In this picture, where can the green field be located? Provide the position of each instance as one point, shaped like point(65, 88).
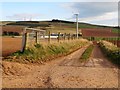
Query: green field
point(115, 30)
point(57, 26)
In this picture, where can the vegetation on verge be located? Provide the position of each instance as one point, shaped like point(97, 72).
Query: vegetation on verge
point(102, 38)
point(85, 56)
point(41, 52)
point(111, 51)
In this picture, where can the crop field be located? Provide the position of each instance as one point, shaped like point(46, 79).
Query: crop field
point(11, 28)
point(10, 45)
point(98, 33)
point(102, 34)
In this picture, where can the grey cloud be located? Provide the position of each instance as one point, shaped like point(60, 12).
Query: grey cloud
point(111, 22)
point(93, 9)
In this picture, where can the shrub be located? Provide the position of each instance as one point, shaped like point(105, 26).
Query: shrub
point(111, 51)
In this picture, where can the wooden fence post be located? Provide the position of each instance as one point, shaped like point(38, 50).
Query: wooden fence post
point(58, 36)
point(69, 36)
point(28, 40)
point(44, 35)
point(49, 37)
point(64, 36)
point(36, 37)
point(116, 41)
point(24, 40)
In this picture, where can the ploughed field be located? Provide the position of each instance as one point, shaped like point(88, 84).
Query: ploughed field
point(9, 28)
point(98, 33)
point(10, 45)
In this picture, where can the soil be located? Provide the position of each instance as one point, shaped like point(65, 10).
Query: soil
point(64, 72)
point(10, 45)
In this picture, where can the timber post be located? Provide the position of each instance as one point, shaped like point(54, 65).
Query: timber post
point(36, 37)
point(58, 36)
point(49, 37)
point(24, 40)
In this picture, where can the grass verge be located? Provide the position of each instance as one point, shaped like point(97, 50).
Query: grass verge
point(85, 56)
point(40, 52)
point(111, 51)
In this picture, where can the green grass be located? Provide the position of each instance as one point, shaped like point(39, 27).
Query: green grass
point(85, 56)
point(115, 30)
point(40, 52)
point(111, 51)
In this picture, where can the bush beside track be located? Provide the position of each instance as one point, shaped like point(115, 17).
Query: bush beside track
point(111, 51)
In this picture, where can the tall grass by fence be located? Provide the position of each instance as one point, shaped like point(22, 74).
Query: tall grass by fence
point(111, 51)
point(40, 52)
point(86, 55)
point(114, 40)
point(29, 39)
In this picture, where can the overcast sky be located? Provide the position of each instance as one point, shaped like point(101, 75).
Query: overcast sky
point(102, 13)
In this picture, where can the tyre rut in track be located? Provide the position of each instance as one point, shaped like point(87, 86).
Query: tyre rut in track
point(68, 72)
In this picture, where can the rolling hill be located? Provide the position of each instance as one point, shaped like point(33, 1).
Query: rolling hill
point(56, 26)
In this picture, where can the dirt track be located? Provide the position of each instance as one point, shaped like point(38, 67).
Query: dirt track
point(65, 72)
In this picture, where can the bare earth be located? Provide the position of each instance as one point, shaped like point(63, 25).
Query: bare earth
point(64, 72)
point(10, 45)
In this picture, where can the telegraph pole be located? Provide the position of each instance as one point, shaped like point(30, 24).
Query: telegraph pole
point(76, 25)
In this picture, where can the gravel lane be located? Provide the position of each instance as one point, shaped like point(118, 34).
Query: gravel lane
point(64, 72)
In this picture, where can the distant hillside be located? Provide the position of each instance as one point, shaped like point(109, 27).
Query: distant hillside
point(54, 21)
point(29, 24)
point(58, 25)
point(5, 22)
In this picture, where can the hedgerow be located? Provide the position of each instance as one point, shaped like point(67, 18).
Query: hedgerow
point(111, 51)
